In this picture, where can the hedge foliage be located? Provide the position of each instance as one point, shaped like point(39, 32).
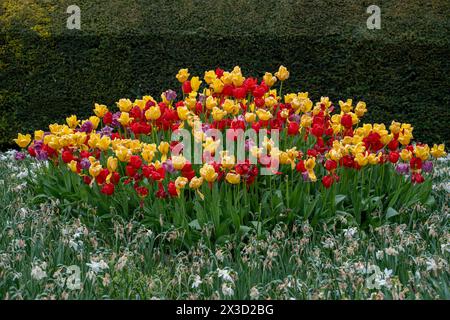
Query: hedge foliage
point(132, 48)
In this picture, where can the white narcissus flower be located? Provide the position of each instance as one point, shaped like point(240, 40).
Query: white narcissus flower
point(227, 290)
point(197, 282)
point(38, 273)
point(97, 266)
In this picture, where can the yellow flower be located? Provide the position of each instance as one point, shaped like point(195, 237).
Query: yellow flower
point(124, 105)
point(124, 119)
point(208, 173)
point(438, 151)
point(362, 159)
point(264, 114)
point(182, 75)
point(164, 149)
point(373, 158)
point(395, 127)
point(406, 155)
point(182, 113)
point(210, 76)
point(103, 143)
point(269, 79)
point(23, 140)
point(218, 114)
point(178, 162)
point(422, 152)
point(233, 178)
point(309, 166)
point(112, 164)
point(250, 117)
point(211, 103)
point(270, 102)
point(196, 182)
point(100, 110)
point(306, 121)
point(181, 182)
point(95, 121)
point(72, 166)
point(195, 83)
point(346, 106)
point(153, 113)
point(217, 85)
point(38, 135)
point(72, 121)
point(94, 169)
point(227, 161)
point(360, 109)
point(123, 153)
point(210, 145)
point(282, 73)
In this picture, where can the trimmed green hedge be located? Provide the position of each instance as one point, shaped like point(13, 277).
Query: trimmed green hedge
point(46, 78)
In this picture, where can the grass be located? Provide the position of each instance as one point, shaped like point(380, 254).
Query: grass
point(42, 242)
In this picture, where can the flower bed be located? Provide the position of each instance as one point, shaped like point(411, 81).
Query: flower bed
point(250, 156)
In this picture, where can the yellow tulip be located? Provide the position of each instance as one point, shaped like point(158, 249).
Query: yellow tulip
point(210, 103)
point(23, 140)
point(178, 162)
point(195, 83)
point(124, 119)
point(182, 113)
point(182, 75)
point(100, 110)
point(362, 159)
point(346, 106)
point(196, 182)
point(269, 79)
point(360, 109)
point(233, 178)
point(218, 114)
point(123, 154)
point(210, 76)
point(124, 105)
point(153, 113)
point(422, 152)
point(406, 155)
point(112, 164)
point(103, 143)
point(94, 170)
point(264, 114)
point(72, 121)
point(95, 121)
point(72, 166)
point(250, 117)
point(282, 73)
point(217, 85)
point(38, 135)
point(208, 173)
point(438, 151)
point(181, 182)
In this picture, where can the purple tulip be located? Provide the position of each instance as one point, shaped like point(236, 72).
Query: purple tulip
point(427, 166)
point(85, 163)
point(106, 131)
point(168, 166)
point(402, 168)
point(170, 95)
point(87, 127)
point(41, 155)
point(19, 156)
